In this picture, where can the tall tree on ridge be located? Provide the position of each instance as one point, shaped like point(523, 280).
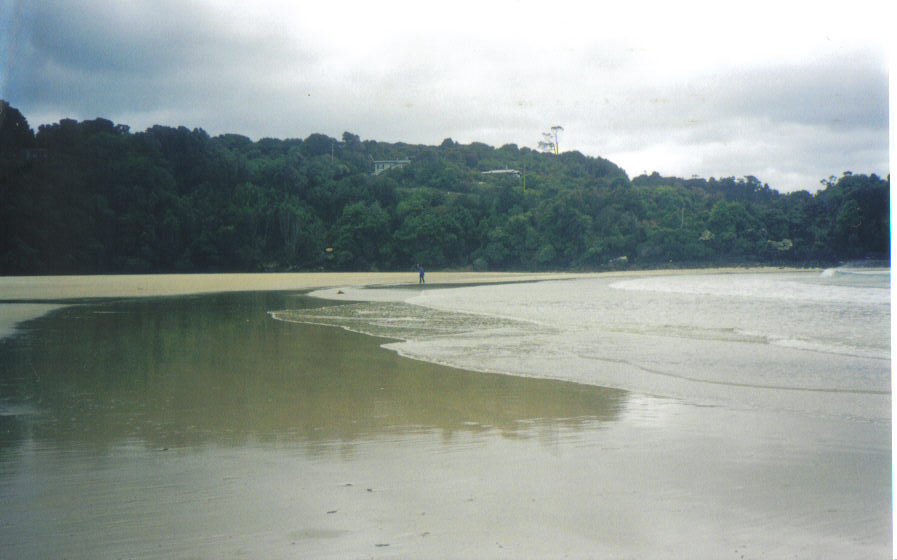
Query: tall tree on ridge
point(549, 142)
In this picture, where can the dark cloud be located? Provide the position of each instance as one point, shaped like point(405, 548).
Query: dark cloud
point(103, 39)
point(99, 58)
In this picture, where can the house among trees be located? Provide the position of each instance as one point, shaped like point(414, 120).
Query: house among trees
point(504, 171)
point(386, 164)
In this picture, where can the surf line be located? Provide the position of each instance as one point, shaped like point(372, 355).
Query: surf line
point(733, 384)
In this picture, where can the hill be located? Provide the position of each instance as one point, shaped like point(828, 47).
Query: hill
point(94, 197)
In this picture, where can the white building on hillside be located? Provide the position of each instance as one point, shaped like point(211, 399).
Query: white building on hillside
point(387, 164)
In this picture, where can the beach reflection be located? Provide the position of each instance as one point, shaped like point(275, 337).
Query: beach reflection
point(176, 372)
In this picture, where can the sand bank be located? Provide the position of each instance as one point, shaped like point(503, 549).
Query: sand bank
point(30, 288)
point(19, 294)
point(15, 291)
point(54, 288)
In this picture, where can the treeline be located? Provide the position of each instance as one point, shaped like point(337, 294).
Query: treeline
point(92, 197)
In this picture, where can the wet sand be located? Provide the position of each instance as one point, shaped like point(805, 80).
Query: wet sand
point(19, 288)
point(199, 427)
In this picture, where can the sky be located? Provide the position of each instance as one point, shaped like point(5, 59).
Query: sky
point(788, 92)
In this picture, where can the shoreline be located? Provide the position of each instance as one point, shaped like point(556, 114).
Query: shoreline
point(24, 298)
point(61, 288)
point(47, 293)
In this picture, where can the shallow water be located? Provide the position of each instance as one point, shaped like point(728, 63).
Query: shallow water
point(201, 427)
point(801, 341)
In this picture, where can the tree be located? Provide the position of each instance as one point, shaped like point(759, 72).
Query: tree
point(735, 231)
point(361, 234)
point(90, 196)
point(549, 142)
point(15, 134)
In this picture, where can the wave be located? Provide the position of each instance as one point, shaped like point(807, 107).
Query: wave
point(831, 272)
point(827, 347)
point(738, 335)
point(869, 287)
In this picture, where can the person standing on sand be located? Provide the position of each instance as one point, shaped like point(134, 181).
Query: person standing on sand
point(420, 270)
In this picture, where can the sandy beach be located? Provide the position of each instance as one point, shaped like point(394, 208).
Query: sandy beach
point(19, 290)
point(29, 288)
point(59, 289)
point(201, 418)
point(78, 287)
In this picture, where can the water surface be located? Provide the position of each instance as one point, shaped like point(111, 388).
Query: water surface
point(203, 427)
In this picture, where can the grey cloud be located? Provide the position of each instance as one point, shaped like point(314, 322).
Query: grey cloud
point(90, 37)
point(848, 93)
point(91, 58)
point(185, 63)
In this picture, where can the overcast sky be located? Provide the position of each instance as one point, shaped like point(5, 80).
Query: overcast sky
point(790, 92)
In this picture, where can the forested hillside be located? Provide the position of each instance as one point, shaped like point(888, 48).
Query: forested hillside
point(92, 196)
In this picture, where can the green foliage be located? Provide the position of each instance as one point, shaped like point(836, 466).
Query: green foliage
point(362, 235)
point(92, 196)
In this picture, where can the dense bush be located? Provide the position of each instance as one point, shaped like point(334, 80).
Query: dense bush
point(92, 196)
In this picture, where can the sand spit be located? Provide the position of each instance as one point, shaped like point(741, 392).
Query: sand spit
point(56, 288)
point(15, 291)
